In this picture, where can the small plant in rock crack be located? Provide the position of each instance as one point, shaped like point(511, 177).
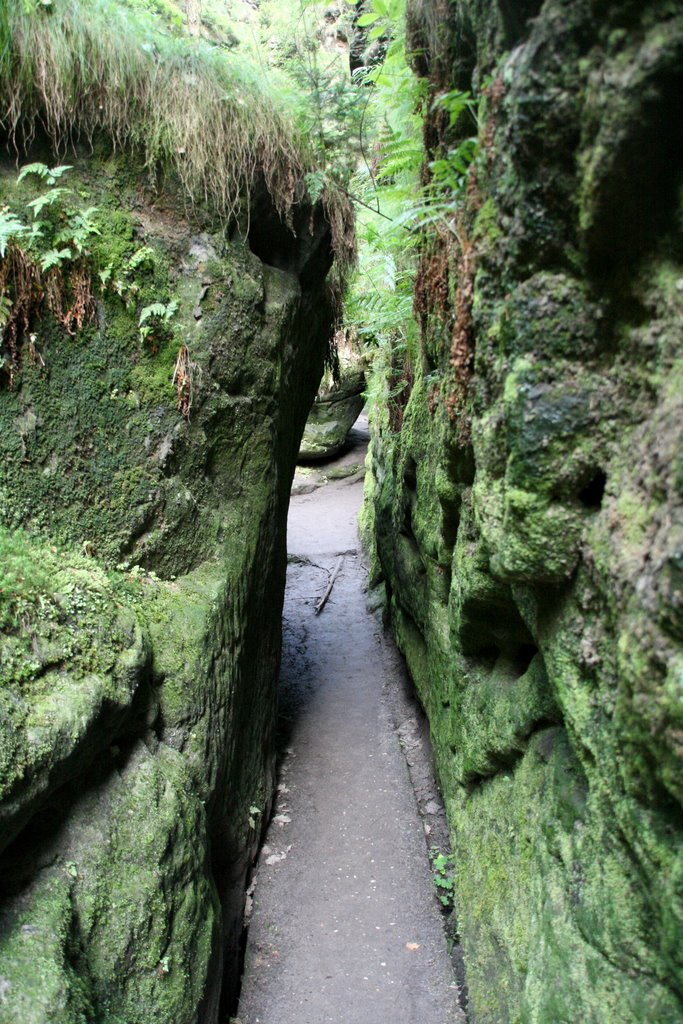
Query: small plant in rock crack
point(443, 876)
point(155, 323)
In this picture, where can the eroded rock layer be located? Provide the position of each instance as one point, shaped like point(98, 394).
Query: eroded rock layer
point(527, 503)
point(143, 497)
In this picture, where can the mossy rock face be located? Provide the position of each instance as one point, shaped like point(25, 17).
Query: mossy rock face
point(332, 415)
point(143, 564)
point(529, 527)
point(113, 467)
point(126, 925)
point(75, 665)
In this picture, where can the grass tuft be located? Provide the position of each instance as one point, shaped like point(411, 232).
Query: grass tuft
point(83, 67)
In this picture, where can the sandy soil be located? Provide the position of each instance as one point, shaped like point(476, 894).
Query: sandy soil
point(345, 926)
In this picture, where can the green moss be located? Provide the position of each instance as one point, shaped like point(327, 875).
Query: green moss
point(149, 946)
point(184, 610)
point(113, 465)
point(137, 712)
point(56, 606)
point(635, 517)
point(152, 377)
point(38, 979)
point(546, 655)
point(73, 659)
point(486, 227)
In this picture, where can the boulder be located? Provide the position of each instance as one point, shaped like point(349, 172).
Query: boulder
point(332, 415)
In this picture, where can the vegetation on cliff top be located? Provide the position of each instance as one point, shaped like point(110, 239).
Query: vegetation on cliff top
point(410, 224)
point(80, 68)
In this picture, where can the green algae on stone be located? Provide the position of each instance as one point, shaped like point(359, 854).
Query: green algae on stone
point(37, 978)
point(98, 935)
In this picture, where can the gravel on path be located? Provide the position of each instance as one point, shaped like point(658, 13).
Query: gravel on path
point(344, 926)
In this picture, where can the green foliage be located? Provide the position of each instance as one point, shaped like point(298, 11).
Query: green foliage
point(66, 231)
point(96, 67)
point(155, 322)
point(10, 228)
point(44, 264)
point(158, 311)
point(384, 16)
point(46, 268)
point(401, 208)
point(327, 104)
point(315, 183)
point(54, 258)
point(455, 103)
point(50, 175)
point(449, 172)
point(80, 227)
point(443, 876)
point(125, 276)
point(380, 296)
point(47, 199)
point(220, 122)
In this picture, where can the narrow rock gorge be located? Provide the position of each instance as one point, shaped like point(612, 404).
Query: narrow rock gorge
point(175, 254)
point(526, 502)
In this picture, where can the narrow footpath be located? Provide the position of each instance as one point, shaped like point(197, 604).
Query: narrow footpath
point(344, 926)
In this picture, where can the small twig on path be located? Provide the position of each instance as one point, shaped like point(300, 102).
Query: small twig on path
point(323, 600)
point(302, 560)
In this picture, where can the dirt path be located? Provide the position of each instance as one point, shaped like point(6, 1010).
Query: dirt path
point(345, 926)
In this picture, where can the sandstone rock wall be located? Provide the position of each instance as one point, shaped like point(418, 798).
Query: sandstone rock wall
point(528, 514)
point(143, 562)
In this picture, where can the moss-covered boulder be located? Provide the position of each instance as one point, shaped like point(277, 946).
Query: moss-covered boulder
point(332, 415)
point(527, 514)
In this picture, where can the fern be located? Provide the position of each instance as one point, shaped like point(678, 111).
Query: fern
point(315, 182)
point(141, 257)
point(155, 322)
point(159, 310)
point(46, 200)
point(5, 310)
point(48, 174)
point(36, 232)
point(455, 103)
point(399, 155)
point(79, 228)
point(54, 258)
point(10, 227)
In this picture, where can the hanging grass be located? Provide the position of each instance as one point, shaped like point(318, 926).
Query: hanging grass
point(79, 68)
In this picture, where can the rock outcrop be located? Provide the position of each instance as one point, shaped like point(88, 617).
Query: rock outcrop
point(147, 459)
point(332, 415)
point(527, 502)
